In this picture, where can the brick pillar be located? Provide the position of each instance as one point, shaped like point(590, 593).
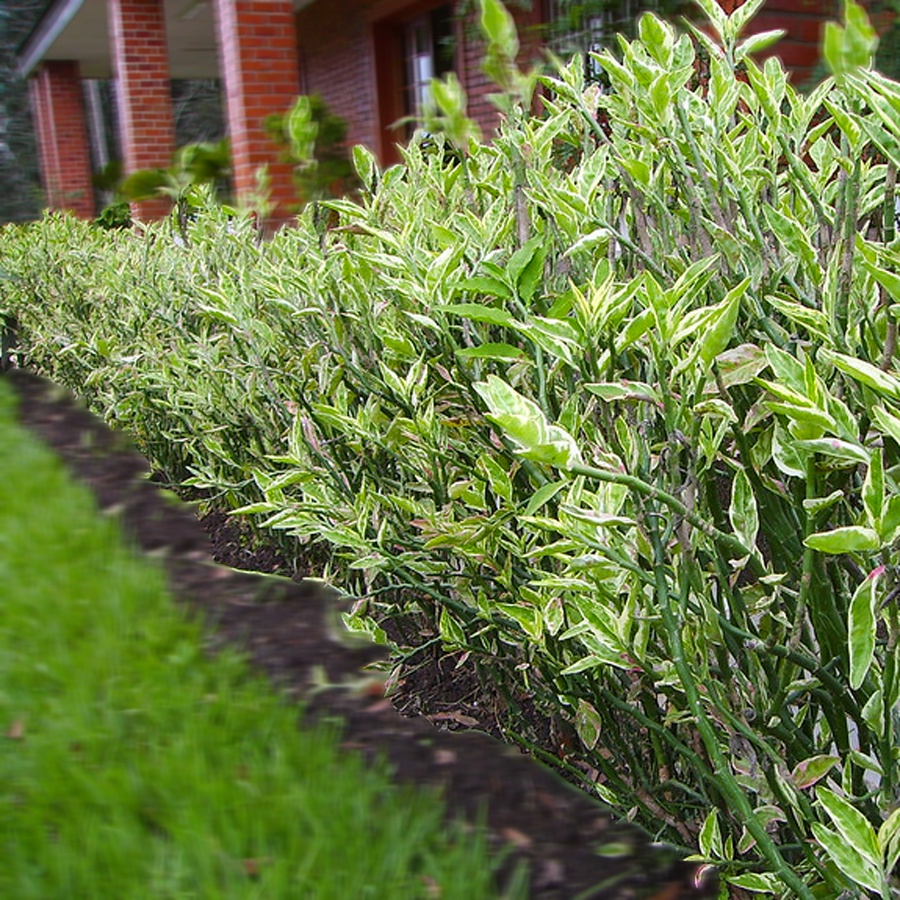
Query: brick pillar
point(260, 67)
point(65, 156)
point(141, 66)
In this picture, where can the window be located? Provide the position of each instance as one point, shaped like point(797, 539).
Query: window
point(413, 42)
point(428, 45)
point(589, 27)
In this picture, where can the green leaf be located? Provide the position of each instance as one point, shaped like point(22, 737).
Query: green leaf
point(483, 284)
point(743, 513)
point(847, 858)
point(498, 27)
point(144, 184)
point(714, 14)
point(862, 627)
point(527, 616)
point(889, 422)
point(838, 449)
point(806, 421)
point(864, 372)
point(890, 522)
point(860, 40)
point(873, 490)
point(742, 14)
point(889, 840)
point(501, 351)
point(850, 539)
point(452, 632)
point(526, 267)
point(757, 883)
point(720, 328)
point(756, 43)
point(740, 365)
point(660, 94)
point(813, 320)
point(366, 166)
point(805, 774)
point(848, 123)
point(554, 615)
point(588, 724)
point(556, 336)
point(542, 496)
point(710, 838)
point(853, 826)
point(476, 312)
point(497, 477)
point(785, 454)
point(789, 371)
point(888, 279)
point(624, 390)
point(302, 129)
point(816, 505)
point(762, 89)
point(525, 424)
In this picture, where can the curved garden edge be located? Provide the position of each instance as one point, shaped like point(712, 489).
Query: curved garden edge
point(573, 848)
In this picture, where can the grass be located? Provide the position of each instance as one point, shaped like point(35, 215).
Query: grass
point(133, 764)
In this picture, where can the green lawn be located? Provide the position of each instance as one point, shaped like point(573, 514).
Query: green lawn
point(134, 765)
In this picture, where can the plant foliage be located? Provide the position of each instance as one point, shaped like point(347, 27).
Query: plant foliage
point(626, 432)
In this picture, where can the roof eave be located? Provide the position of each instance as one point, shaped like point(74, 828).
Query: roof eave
point(48, 28)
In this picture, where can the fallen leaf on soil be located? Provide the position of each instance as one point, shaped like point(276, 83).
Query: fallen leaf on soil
point(553, 874)
point(519, 838)
point(16, 730)
point(374, 688)
point(454, 717)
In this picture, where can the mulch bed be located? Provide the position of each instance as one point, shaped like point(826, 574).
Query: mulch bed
point(573, 848)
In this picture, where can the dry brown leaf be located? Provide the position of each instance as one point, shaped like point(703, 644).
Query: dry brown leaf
point(445, 757)
point(516, 837)
point(459, 717)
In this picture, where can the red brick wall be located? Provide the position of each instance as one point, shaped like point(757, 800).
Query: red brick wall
point(337, 60)
point(338, 41)
point(259, 65)
point(63, 147)
point(478, 86)
point(804, 21)
point(141, 66)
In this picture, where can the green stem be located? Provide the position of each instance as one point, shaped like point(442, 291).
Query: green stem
point(835, 687)
point(890, 678)
point(711, 198)
point(725, 781)
point(727, 541)
point(848, 239)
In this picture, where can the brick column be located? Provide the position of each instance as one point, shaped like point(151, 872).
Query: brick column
point(260, 67)
point(63, 148)
point(141, 66)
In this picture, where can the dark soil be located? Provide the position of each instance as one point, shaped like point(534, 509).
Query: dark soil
point(288, 627)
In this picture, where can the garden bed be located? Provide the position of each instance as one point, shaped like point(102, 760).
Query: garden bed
point(572, 847)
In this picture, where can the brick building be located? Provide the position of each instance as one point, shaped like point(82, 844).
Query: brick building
point(369, 60)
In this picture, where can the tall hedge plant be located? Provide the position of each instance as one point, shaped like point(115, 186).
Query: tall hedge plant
point(608, 405)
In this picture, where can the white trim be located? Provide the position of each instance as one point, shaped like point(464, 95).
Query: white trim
point(48, 29)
